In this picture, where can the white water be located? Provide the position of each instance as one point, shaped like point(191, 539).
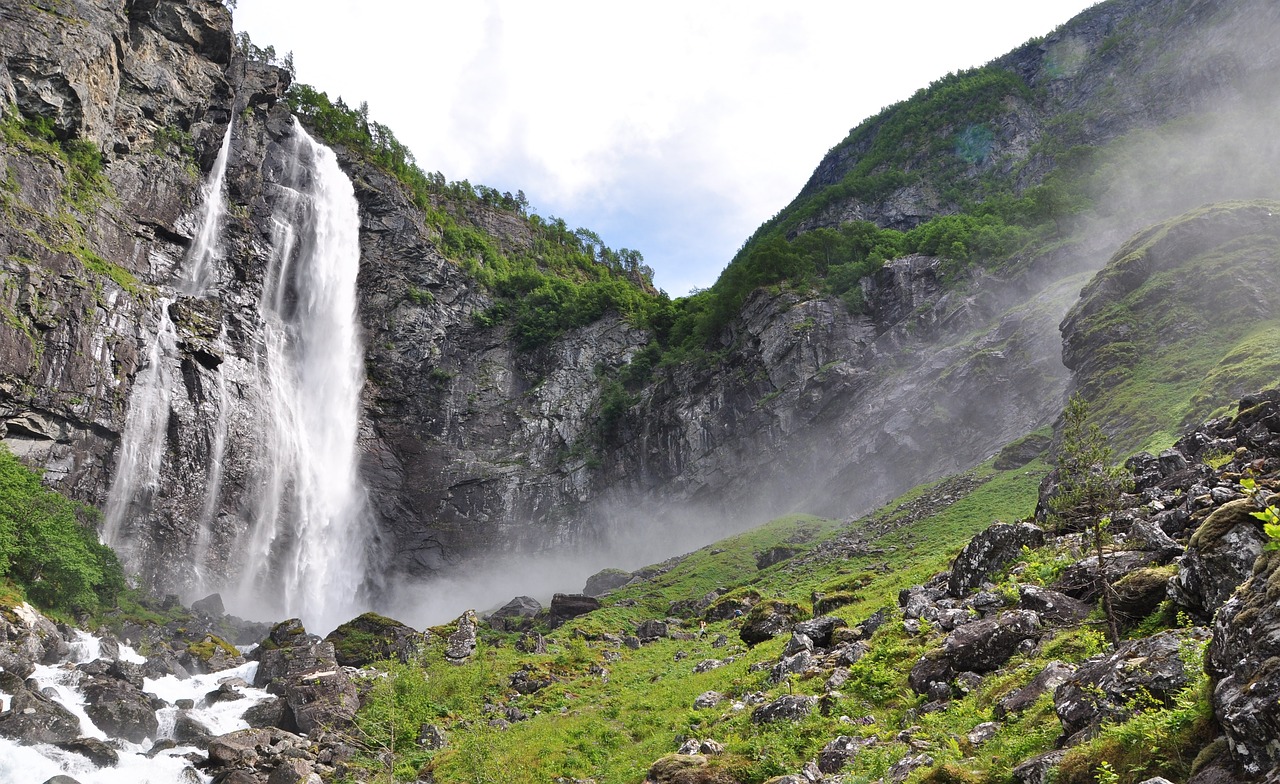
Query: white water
point(40, 762)
point(309, 532)
point(294, 528)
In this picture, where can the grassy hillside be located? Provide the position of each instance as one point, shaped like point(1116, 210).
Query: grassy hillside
point(612, 711)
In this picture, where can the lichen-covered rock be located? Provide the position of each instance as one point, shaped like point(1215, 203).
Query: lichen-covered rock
point(1053, 607)
point(984, 645)
point(789, 707)
point(768, 619)
point(1218, 559)
point(1139, 593)
point(1105, 687)
point(1244, 662)
point(988, 552)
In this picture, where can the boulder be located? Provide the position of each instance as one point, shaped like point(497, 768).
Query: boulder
point(1038, 770)
point(98, 752)
point(768, 619)
point(1140, 592)
point(840, 753)
point(566, 606)
point(789, 707)
point(304, 670)
point(708, 699)
point(1105, 687)
point(984, 645)
point(120, 709)
point(606, 580)
point(776, 555)
point(988, 552)
point(1080, 579)
point(819, 630)
point(516, 615)
point(462, 642)
point(1219, 557)
point(33, 718)
point(1244, 662)
point(1054, 674)
point(651, 630)
point(210, 605)
point(1053, 607)
point(372, 637)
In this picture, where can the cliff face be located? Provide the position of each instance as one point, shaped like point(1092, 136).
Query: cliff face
point(469, 447)
point(78, 253)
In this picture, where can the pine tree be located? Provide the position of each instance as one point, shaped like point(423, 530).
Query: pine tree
point(1089, 489)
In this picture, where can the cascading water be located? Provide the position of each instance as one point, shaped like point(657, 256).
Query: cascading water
point(309, 533)
point(284, 531)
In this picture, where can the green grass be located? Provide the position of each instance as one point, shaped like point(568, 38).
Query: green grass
point(612, 730)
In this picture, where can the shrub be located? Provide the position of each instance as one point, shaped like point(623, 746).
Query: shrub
point(49, 545)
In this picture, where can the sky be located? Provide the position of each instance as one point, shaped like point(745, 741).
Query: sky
point(671, 128)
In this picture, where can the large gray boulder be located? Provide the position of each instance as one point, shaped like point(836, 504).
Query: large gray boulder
point(984, 645)
point(1218, 559)
point(789, 707)
point(120, 709)
point(988, 552)
point(1244, 662)
point(1105, 687)
point(33, 718)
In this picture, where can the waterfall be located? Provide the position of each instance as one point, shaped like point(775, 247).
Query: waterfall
point(282, 529)
point(308, 534)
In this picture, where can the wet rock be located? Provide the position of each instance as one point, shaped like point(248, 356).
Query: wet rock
point(269, 713)
point(1105, 687)
point(120, 709)
point(1244, 661)
point(372, 637)
point(988, 552)
point(293, 771)
point(190, 731)
point(99, 753)
point(1219, 557)
point(768, 619)
point(516, 615)
point(789, 707)
point(239, 748)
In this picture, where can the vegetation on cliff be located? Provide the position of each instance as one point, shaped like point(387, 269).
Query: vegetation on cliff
point(559, 279)
point(49, 548)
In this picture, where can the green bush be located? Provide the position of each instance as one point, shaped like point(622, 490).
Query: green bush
point(49, 546)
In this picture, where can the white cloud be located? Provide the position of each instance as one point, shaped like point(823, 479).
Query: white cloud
point(673, 128)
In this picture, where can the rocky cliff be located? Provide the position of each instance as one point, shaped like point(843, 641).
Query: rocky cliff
point(470, 447)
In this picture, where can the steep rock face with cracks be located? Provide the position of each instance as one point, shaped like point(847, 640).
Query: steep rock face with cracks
point(470, 447)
